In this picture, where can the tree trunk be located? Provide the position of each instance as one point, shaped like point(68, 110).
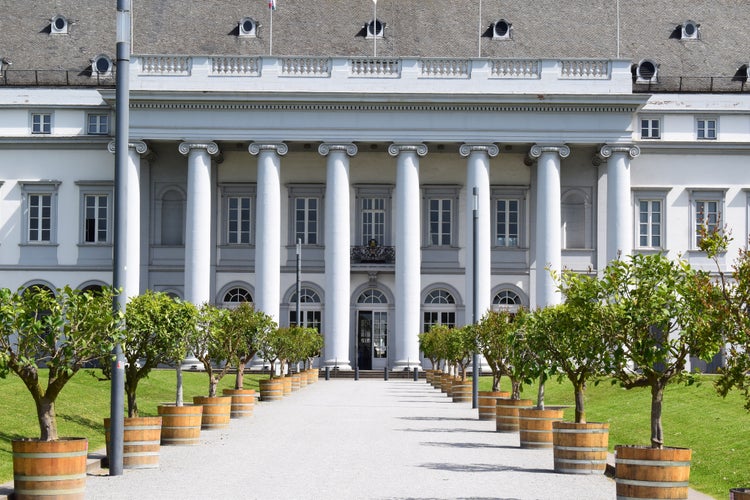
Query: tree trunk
point(130, 391)
point(213, 381)
point(515, 389)
point(540, 394)
point(178, 396)
point(239, 379)
point(45, 412)
point(657, 396)
point(580, 408)
point(496, 381)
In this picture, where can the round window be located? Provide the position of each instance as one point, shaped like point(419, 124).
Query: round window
point(375, 27)
point(247, 26)
point(59, 23)
point(102, 64)
point(689, 29)
point(646, 70)
point(501, 28)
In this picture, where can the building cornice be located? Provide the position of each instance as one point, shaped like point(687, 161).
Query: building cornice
point(56, 142)
point(712, 147)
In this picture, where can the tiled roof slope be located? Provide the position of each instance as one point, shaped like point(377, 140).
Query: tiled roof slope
point(435, 28)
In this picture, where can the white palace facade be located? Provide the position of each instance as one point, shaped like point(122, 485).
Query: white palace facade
point(567, 134)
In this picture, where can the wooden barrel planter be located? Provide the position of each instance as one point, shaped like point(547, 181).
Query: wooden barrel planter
point(180, 425)
point(243, 402)
point(506, 413)
point(303, 380)
point(141, 442)
point(535, 426)
point(461, 391)
point(428, 376)
point(49, 469)
point(645, 472)
point(315, 374)
point(580, 448)
point(286, 386)
point(437, 379)
point(446, 380)
point(295, 382)
point(271, 389)
point(216, 411)
point(487, 401)
point(739, 494)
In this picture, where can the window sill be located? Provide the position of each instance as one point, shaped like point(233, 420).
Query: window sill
point(39, 244)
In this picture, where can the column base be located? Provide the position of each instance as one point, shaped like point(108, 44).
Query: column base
point(406, 365)
point(337, 364)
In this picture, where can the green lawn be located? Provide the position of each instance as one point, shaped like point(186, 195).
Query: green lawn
point(717, 430)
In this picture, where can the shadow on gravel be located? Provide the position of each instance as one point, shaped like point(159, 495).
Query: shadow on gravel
point(439, 418)
point(417, 401)
point(457, 498)
point(482, 468)
point(468, 445)
point(443, 430)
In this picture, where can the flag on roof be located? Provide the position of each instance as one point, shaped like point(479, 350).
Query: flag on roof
point(272, 4)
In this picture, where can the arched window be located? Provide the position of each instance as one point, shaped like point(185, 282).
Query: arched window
point(506, 300)
point(439, 309)
point(234, 296)
point(310, 309)
point(172, 218)
point(372, 296)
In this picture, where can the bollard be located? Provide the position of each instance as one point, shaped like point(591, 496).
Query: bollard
point(356, 373)
point(416, 374)
point(385, 373)
point(328, 373)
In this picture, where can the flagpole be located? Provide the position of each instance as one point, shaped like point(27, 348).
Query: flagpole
point(270, 42)
point(375, 28)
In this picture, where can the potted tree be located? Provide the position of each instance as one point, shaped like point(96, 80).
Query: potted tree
point(460, 348)
point(271, 350)
point(729, 302)
point(181, 424)
point(214, 346)
point(313, 347)
point(57, 333)
point(150, 331)
point(491, 336)
point(533, 363)
point(429, 343)
point(251, 327)
point(660, 318)
point(503, 328)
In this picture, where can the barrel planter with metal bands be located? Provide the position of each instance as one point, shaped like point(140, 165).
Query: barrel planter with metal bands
point(645, 472)
point(580, 448)
point(50, 469)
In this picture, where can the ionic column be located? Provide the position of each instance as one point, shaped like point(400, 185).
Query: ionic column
point(268, 227)
point(198, 220)
point(619, 211)
point(408, 258)
point(337, 254)
point(478, 176)
point(128, 232)
point(548, 221)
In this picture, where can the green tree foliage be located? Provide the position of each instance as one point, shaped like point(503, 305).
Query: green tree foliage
point(495, 334)
point(730, 305)
point(214, 344)
point(57, 333)
point(155, 333)
point(459, 345)
point(658, 317)
point(250, 327)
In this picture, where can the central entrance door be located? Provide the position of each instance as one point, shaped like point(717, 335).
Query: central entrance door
point(372, 339)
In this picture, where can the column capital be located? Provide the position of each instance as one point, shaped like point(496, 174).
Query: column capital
point(350, 148)
point(537, 149)
point(606, 151)
point(397, 148)
point(490, 149)
point(278, 147)
point(140, 147)
point(211, 147)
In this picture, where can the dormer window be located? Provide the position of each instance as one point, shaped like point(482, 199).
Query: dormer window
point(646, 71)
point(501, 30)
point(59, 25)
point(101, 65)
point(248, 27)
point(690, 30)
point(375, 29)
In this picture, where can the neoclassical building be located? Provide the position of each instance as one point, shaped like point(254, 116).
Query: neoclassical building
point(424, 161)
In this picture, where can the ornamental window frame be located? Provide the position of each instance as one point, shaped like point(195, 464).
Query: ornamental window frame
point(373, 192)
point(707, 128)
point(99, 189)
point(509, 194)
point(705, 201)
point(435, 234)
point(97, 123)
point(41, 122)
point(651, 125)
point(29, 191)
point(240, 191)
point(645, 229)
point(306, 192)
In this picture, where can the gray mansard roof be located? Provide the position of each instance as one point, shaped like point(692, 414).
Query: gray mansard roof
point(648, 29)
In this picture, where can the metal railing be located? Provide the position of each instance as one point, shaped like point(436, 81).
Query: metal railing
point(55, 78)
point(373, 254)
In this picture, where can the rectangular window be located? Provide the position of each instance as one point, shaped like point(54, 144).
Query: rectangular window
point(238, 220)
point(373, 220)
point(440, 227)
point(98, 124)
point(707, 216)
point(650, 128)
point(649, 223)
point(39, 218)
point(706, 128)
point(306, 216)
point(310, 319)
point(507, 222)
point(96, 218)
point(41, 123)
point(447, 318)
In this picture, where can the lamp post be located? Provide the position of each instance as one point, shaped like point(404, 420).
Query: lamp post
point(299, 271)
point(122, 117)
point(375, 28)
point(475, 275)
